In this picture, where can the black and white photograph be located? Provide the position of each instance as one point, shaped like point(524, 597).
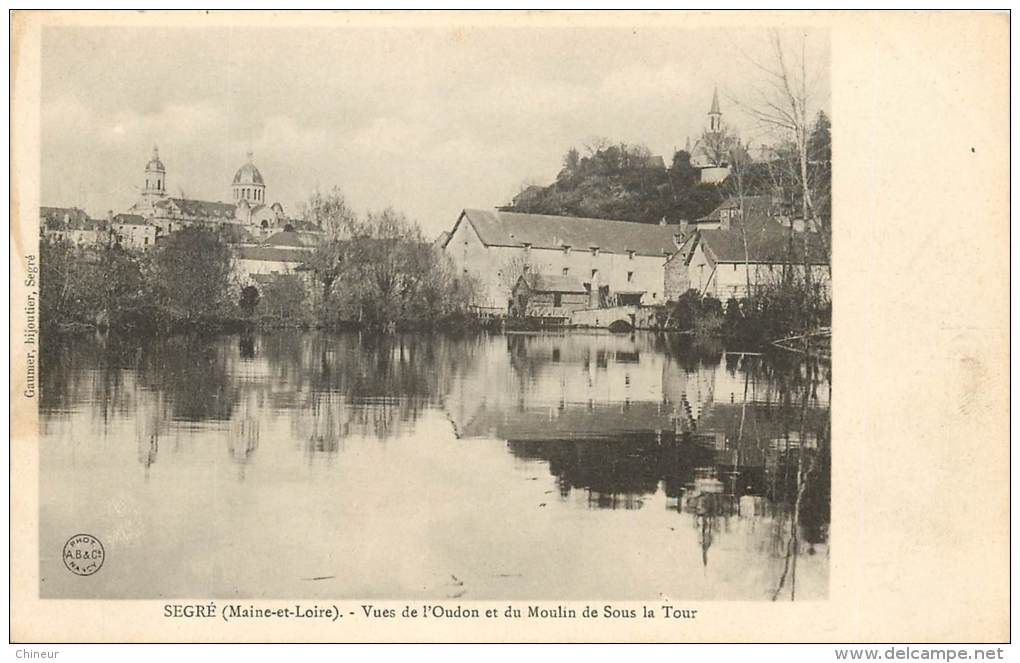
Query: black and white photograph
point(408, 316)
point(423, 315)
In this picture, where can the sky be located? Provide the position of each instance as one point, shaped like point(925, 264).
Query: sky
point(426, 120)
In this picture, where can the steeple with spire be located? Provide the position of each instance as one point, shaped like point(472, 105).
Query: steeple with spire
point(714, 114)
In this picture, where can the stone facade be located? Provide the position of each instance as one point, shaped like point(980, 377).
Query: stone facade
point(610, 274)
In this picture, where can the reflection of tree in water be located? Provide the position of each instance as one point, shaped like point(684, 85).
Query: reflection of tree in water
point(148, 450)
point(763, 455)
point(792, 442)
point(88, 367)
point(191, 371)
point(245, 430)
point(361, 384)
point(617, 471)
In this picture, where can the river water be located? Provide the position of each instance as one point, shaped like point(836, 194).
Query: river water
point(519, 466)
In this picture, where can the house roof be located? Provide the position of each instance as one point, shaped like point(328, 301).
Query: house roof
point(199, 208)
point(76, 219)
point(129, 219)
point(236, 234)
point(754, 207)
point(300, 225)
point(656, 162)
point(291, 238)
point(264, 279)
point(272, 254)
point(767, 242)
point(498, 228)
point(553, 283)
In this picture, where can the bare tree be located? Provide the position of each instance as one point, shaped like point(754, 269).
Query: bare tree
point(332, 213)
point(597, 144)
point(739, 162)
point(510, 271)
point(716, 146)
point(784, 103)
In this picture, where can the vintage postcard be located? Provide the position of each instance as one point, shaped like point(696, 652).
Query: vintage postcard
point(509, 327)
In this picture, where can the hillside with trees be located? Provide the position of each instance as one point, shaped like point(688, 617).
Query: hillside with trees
point(621, 181)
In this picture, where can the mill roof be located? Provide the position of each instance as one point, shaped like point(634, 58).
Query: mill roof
point(498, 228)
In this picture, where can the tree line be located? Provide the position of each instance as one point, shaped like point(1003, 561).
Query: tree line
point(375, 270)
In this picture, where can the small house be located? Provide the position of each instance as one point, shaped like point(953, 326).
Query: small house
point(724, 261)
point(546, 296)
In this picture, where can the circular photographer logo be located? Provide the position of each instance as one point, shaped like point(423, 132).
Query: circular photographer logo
point(83, 554)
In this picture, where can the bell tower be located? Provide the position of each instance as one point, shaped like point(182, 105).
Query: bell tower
point(714, 114)
point(155, 178)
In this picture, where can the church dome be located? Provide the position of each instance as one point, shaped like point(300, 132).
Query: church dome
point(248, 174)
point(154, 162)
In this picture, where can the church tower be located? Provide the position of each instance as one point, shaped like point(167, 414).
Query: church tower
point(714, 114)
point(155, 178)
point(248, 185)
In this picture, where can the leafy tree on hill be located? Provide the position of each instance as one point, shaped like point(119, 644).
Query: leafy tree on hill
point(621, 181)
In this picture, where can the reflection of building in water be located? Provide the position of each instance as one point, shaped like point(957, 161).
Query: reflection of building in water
point(620, 419)
point(245, 427)
point(548, 373)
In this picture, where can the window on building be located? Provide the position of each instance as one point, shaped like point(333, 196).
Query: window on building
point(734, 267)
point(594, 274)
point(566, 271)
point(146, 242)
point(557, 299)
point(566, 250)
point(630, 277)
point(630, 255)
point(595, 251)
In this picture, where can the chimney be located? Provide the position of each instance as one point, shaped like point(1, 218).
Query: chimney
point(724, 218)
point(662, 221)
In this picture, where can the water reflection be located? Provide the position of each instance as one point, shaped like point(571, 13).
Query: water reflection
point(727, 454)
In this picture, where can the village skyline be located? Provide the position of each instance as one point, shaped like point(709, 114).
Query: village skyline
point(442, 124)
